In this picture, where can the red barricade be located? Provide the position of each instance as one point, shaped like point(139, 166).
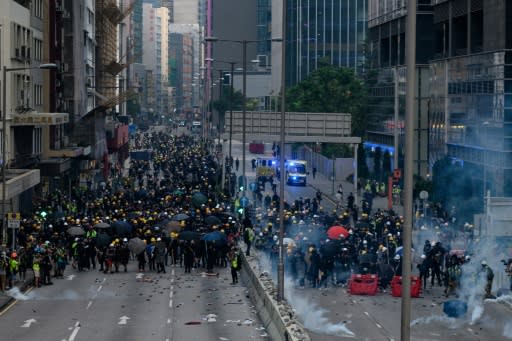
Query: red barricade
point(363, 284)
point(256, 148)
point(396, 286)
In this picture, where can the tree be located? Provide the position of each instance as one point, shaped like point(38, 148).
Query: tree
point(331, 89)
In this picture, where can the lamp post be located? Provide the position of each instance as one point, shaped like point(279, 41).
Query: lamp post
point(280, 264)
point(47, 66)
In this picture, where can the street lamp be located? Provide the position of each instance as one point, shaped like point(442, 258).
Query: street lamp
point(244, 98)
point(46, 66)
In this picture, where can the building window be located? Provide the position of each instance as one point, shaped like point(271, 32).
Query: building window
point(37, 141)
point(38, 95)
point(38, 49)
point(37, 8)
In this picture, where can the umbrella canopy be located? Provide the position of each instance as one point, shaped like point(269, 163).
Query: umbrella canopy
point(178, 192)
point(103, 240)
point(189, 235)
point(363, 225)
point(199, 199)
point(173, 226)
point(122, 227)
point(136, 245)
point(76, 231)
point(212, 220)
point(215, 236)
point(181, 216)
point(141, 194)
point(400, 251)
point(334, 232)
point(102, 225)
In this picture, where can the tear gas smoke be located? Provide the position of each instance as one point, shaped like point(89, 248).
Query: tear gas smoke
point(308, 312)
point(507, 330)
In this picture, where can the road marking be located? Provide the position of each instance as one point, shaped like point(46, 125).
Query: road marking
point(70, 277)
point(100, 287)
point(28, 323)
point(172, 272)
point(88, 305)
point(172, 292)
point(123, 320)
point(14, 302)
point(172, 280)
point(367, 314)
point(168, 321)
point(75, 331)
point(170, 303)
point(378, 325)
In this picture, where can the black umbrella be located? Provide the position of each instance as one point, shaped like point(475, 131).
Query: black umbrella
point(102, 225)
point(136, 245)
point(180, 216)
point(189, 235)
point(141, 194)
point(76, 231)
point(212, 220)
point(198, 199)
point(122, 227)
point(103, 240)
point(363, 225)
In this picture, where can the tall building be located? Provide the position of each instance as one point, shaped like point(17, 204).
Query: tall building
point(333, 31)
point(385, 68)
point(471, 108)
point(155, 57)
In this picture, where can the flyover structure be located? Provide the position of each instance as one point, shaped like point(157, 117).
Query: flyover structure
point(299, 127)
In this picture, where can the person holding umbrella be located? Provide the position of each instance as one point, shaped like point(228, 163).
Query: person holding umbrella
point(188, 255)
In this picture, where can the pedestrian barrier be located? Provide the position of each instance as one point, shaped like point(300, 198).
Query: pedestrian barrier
point(396, 286)
point(363, 284)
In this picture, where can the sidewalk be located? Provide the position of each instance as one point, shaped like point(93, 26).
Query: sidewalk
point(19, 287)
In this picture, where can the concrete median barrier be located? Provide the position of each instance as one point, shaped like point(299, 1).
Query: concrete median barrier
point(278, 317)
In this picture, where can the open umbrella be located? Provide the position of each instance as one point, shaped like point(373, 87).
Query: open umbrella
point(198, 199)
point(141, 194)
point(215, 236)
point(188, 235)
point(400, 251)
point(173, 226)
point(122, 227)
point(178, 192)
point(363, 225)
point(103, 240)
point(136, 245)
point(212, 220)
point(334, 232)
point(102, 225)
point(76, 231)
point(180, 216)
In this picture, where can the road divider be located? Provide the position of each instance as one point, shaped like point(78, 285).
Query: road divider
point(278, 317)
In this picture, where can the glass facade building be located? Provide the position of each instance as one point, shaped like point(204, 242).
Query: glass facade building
point(324, 30)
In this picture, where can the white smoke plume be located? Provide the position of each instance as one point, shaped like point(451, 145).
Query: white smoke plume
point(507, 331)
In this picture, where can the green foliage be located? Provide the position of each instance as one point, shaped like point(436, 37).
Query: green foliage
point(331, 89)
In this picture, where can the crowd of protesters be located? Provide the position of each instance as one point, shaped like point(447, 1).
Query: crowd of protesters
point(170, 210)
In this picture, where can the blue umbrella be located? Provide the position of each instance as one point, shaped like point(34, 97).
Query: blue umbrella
point(400, 251)
point(122, 227)
point(215, 236)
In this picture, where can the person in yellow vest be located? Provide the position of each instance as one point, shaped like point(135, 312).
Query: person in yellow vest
point(36, 267)
point(235, 261)
point(13, 268)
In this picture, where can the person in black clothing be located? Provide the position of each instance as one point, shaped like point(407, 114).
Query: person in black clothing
point(188, 256)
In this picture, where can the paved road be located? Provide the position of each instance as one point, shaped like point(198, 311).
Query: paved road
point(131, 306)
point(333, 313)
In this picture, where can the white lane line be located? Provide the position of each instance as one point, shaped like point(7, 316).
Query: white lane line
point(367, 314)
point(172, 272)
point(75, 331)
point(88, 305)
point(100, 287)
point(170, 303)
point(172, 280)
point(172, 292)
point(378, 325)
point(168, 321)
